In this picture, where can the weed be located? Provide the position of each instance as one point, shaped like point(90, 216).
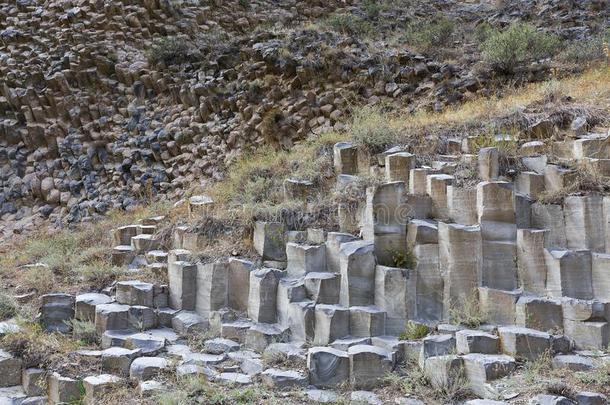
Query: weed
point(373, 128)
point(518, 44)
point(414, 331)
point(432, 36)
point(173, 51)
point(348, 24)
point(467, 312)
point(83, 331)
point(8, 307)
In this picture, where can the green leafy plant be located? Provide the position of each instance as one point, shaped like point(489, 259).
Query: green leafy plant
point(414, 331)
point(431, 36)
point(517, 45)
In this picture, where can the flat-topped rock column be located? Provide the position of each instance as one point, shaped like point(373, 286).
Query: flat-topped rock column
point(398, 166)
point(550, 217)
point(569, 273)
point(430, 283)
point(263, 295)
point(436, 188)
point(357, 265)
point(459, 261)
point(345, 158)
point(212, 283)
point(462, 205)
point(385, 221)
point(530, 260)
point(182, 285)
point(239, 283)
point(496, 213)
point(395, 293)
point(584, 222)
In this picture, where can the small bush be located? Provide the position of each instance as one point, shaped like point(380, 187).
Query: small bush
point(467, 312)
point(99, 274)
point(430, 37)
point(349, 24)
point(84, 331)
point(403, 259)
point(8, 307)
point(172, 51)
point(374, 129)
point(39, 278)
point(414, 331)
point(519, 44)
point(587, 51)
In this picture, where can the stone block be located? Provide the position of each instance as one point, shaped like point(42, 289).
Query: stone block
point(488, 163)
point(182, 285)
point(348, 341)
point(569, 273)
point(331, 323)
point(85, 305)
point(584, 230)
point(239, 283)
point(421, 232)
point(525, 343)
point(345, 158)
point(395, 293)
point(328, 368)
point(550, 217)
point(117, 360)
point(497, 306)
point(573, 362)
point(357, 265)
point(289, 290)
point(63, 389)
point(188, 322)
point(301, 321)
point(303, 259)
point(530, 184)
point(200, 206)
point(269, 240)
point(323, 288)
point(261, 335)
point(481, 369)
point(475, 341)
point(284, 379)
point(499, 264)
point(435, 345)
point(436, 188)
point(333, 248)
point(97, 387)
point(111, 317)
point(142, 318)
point(462, 204)
point(10, 369)
point(57, 310)
point(220, 345)
point(367, 321)
point(368, 365)
point(123, 234)
point(418, 180)
point(430, 285)
point(262, 297)
point(134, 293)
point(235, 330)
point(544, 314)
point(212, 284)
point(444, 371)
point(398, 166)
point(34, 381)
point(587, 335)
point(147, 368)
point(530, 260)
point(460, 262)
point(600, 276)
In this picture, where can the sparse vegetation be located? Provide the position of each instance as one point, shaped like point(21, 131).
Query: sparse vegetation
point(430, 37)
point(84, 331)
point(8, 307)
point(517, 45)
point(173, 51)
point(467, 312)
point(349, 24)
point(414, 331)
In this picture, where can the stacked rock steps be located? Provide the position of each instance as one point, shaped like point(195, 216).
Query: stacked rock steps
point(337, 302)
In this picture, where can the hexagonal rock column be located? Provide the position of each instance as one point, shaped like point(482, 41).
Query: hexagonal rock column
point(261, 335)
point(367, 321)
point(436, 188)
point(444, 371)
point(134, 292)
point(111, 317)
point(331, 323)
point(269, 240)
point(10, 370)
point(488, 163)
point(182, 285)
point(524, 343)
point(357, 262)
point(483, 368)
point(460, 262)
point(323, 288)
point(303, 259)
point(474, 341)
point(462, 204)
point(121, 236)
point(333, 248)
point(63, 389)
point(96, 387)
point(584, 230)
point(550, 216)
point(239, 283)
point(56, 312)
point(496, 213)
point(600, 275)
point(263, 295)
point(345, 158)
point(398, 166)
point(212, 283)
point(86, 303)
point(368, 365)
point(328, 368)
point(200, 206)
point(385, 220)
point(395, 293)
point(289, 290)
point(301, 321)
point(498, 306)
point(146, 368)
point(569, 273)
point(429, 289)
point(530, 260)
point(543, 314)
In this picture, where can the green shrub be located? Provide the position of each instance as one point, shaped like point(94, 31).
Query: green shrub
point(430, 37)
point(586, 51)
point(173, 51)
point(517, 45)
point(349, 24)
point(373, 128)
point(414, 331)
point(8, 307)
point(84, 331)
